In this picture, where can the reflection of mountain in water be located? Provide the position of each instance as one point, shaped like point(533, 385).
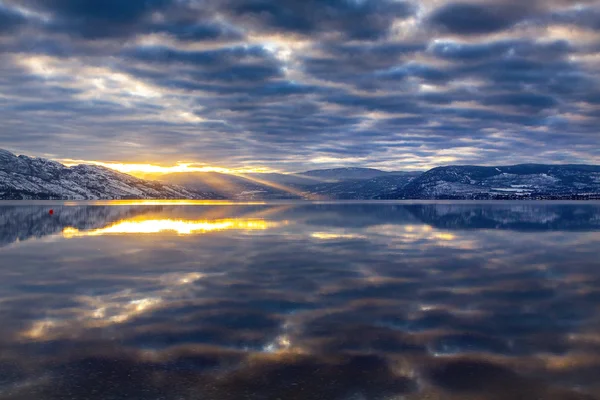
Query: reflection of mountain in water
point(508, 216)
point(348, 215)
point(19, 223)
point(518, 217)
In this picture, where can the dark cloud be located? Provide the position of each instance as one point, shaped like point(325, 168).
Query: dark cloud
point(586, 17)
point(474, 19)
point(425, 72)
point(198, 31)
point(10, 19)
point(229, 55)
point(527, 100)
point(115, 11)
point(367, 66)
point(99, 19)
point(203, 69)
point(95, 19)
point(473, 52)
point(364, 19)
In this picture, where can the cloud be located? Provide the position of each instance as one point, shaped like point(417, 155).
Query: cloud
point(586, 17)
point(474, 19)
point(239, 83)
point(468, 52)
point(364, 19)
point(10, 20)
point(530, 100)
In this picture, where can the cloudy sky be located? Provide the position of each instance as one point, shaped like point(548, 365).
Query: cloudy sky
point(291, 84)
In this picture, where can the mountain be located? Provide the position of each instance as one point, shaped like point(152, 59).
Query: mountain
point(342, 174)
point(364, 189)
point(526, 181)
point(23, 177)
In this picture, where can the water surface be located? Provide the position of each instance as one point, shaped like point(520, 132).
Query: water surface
point(300, 301)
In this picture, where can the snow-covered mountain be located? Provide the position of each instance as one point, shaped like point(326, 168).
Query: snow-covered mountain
point(527, 181)
point(23, 177)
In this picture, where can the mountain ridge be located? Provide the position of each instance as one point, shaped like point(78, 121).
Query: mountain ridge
point(23, 177)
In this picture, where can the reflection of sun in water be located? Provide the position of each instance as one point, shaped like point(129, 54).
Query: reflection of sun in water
point(180, 227)
point(444, 236)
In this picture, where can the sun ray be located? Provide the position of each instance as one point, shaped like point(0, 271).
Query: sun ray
point(283, 188)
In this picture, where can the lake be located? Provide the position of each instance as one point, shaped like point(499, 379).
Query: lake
point(348, 301)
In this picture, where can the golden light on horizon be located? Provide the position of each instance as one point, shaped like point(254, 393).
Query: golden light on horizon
point(144, 169)
point(180, 227)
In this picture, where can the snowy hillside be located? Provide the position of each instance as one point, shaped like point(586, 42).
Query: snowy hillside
point(528, 181)
point(23, 177)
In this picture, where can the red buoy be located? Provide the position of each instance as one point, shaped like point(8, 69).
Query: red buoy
point(51, 212)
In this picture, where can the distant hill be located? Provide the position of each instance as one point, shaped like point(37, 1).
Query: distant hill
point(23, 177)
point(503, 182)
point(343, 174)
point(363, 189)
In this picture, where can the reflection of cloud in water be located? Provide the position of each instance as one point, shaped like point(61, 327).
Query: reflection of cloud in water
point(344, 302)
point(336, 236)
point(114, 308)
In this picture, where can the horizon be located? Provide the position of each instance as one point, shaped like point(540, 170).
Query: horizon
point(258, 86)
point(156, 171)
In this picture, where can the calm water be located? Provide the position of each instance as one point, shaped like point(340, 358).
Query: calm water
point(300, 301)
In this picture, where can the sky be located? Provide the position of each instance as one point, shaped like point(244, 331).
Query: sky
point(290, 85)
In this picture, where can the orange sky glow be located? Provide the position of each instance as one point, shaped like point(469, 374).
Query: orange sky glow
point(148, 170)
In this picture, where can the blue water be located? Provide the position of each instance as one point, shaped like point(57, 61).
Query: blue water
point(300, 301)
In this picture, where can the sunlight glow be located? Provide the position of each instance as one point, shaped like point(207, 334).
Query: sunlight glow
point(281, 187)
point(142, 170)
point(180, 227)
